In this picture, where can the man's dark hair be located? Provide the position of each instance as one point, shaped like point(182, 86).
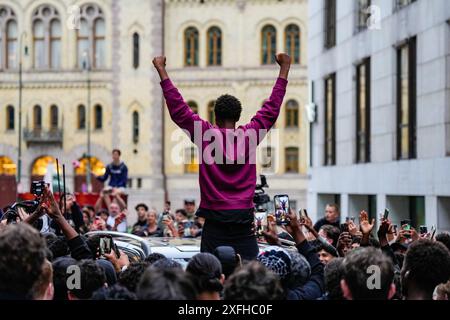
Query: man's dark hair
point(115, 292)
point(153, 257)
point(60, 275)
point(356, 267)
point(166, 263)
point(327, 249)
point(253, 282)
point(333, 273)
point(166, 284)
point(227, 107)
point(206, 271)
point(332, 232)
point(92, 278)
point(132, 275)
point(182, 211)
point(427, 264)
point(58, 246)
point(444, 238)
point(143, 205)
point(22, 255)
point(118, 151)
point(335, 206)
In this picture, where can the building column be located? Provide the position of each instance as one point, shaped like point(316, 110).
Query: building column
point(344, 206)
point(431, 211)
point(312, 206)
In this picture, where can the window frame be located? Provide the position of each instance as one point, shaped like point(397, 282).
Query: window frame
point(330, 159)
point(194, 48)
point(294, 53)
point(217, 48)
point(366, 63)
point(330, 24)
point(270, 51)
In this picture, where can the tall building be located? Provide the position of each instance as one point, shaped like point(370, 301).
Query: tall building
point(381, 138)
point(214, 47)
point(86, 64)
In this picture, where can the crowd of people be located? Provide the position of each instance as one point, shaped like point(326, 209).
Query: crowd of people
point(326, 261)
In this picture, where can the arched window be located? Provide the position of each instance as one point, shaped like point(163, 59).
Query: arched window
point(81, 117)
point(292, 114)
point(135, 127)
point(214, 52)
point(291, 160)
point(46, 37)
point(8, 38)
point(268, 44)
point(193, 105)
point(91, 37)
point(98, 117)
point(211, 115)
point(37, 117)
point(9, 118)
point(292, 42)
point(7, 166)
point(135, 50)
point(191, 47)
point(53, 117)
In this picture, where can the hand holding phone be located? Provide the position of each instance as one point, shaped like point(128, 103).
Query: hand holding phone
point(282, 209)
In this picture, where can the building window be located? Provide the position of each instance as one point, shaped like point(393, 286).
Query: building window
point(406, 100)
point(363, 112)
point(8, 38)
point(292, 42)
point(214, 52)
point(190, 160)
point(292, 114)
point(135, 50)
point(53, 117)
point(9, 118)
point(139, 183)
point(330, 121)
point(37, 117)
point(191, 47)
point(91, 37)
point(7, 166)
point(46, 38)
point(403, 3)
point(268, 44)
point(135, 127)
point(267, 157)
point(330, 23)
point(81, 117)
point(193, 105)
point(291, 159)
point(98, 117)
point(211, 114)
point(362, 14)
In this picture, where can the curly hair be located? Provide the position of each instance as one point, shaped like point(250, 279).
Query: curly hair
point(444, 238)
point(132, 275)
point(92, 278)
point(153, 257)
point(58, 246)
point(427, 264)
point(333, 273)
point(227, 107)
point(253, 282)
point(115, 292)
point(207, 271)
point(22, 256)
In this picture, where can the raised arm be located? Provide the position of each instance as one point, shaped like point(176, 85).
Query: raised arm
point(104, 177)
point(265, 118)
point(179, 110)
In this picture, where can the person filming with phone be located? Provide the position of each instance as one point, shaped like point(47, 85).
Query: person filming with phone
point(227, 184)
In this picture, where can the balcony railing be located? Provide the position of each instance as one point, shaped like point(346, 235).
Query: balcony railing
point(40, 136)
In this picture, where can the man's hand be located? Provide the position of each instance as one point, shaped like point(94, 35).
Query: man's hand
point(285, 63)
point(50, 205)
point(118, 263)
point(160, 66)
point(365, 226)
point(271, 235)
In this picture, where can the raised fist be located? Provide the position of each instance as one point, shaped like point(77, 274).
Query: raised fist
point(159, 62)
point(283, 59)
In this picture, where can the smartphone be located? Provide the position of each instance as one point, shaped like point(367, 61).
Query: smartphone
point(386, 214)
point(282, 208)
point(261, 221)
point(106, 244)
point(344, 227)
point(395, 228)
point(423, 229)
point(407, 227)
point(37, 188)
point(433, 232)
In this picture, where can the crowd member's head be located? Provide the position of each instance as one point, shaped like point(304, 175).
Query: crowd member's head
point(114, 209)
point(356, 242)
point(166, 284)
point(278, 261)
point(141, 210)
point(91, 211)
point(116, 153)
point(153, 257)
point(91, 278)
point(227, 109)
point(333, 274)
point(228, 258)
point(326, 254)
point(442, 291)
point(58, 246)
point(60, 274)
point(22, 255)
point(330, 233)
point(332, 213)
point(130, 277)
point(444, 238)
point(207, 274)
point(181, 215)
point(189, 207)
point(195, 229)
point(300, 270)
point(253, 282)
point(166, 263)
point(152, 217)
point(108, 269)
point(43, 287)
point(115, 292)
point(426, 265)
point(368, 275)
point(86, 217)
point(104, 214)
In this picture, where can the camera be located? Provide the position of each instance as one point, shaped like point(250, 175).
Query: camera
point(12, 214)
point(37, 188)
point(261, 199)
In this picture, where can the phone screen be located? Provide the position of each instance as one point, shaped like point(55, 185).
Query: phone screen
point(105, 245)
point(281, 203)
point(260, 222)
point(386, 214)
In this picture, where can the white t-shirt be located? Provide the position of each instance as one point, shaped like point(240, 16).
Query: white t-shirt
point(122, 227)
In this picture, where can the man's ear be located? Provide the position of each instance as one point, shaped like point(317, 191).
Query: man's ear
point(222, 278)
point(50, 292)
point(70, 296)
point(392, 291)
point(346, 290)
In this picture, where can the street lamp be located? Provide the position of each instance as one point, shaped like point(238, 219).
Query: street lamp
point(87, 68)
point(19, 158)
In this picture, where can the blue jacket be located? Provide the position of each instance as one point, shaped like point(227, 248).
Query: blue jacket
point(119, 175)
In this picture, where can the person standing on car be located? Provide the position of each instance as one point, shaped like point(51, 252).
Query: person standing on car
point(117, 172)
